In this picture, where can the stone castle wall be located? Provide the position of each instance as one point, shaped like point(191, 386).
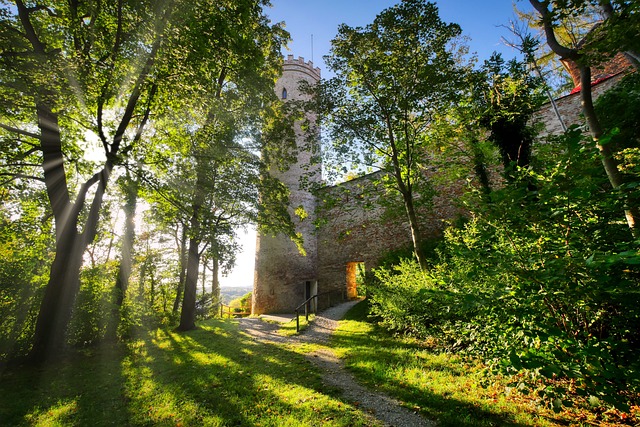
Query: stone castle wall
point(281, 272)
point(356, 227)
point(570, 108)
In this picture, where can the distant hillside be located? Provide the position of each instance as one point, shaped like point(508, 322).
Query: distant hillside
point(232, 292)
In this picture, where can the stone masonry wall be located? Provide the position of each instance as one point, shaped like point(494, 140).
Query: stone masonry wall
point(354, 228)
point(570, 108)
point(281, 272)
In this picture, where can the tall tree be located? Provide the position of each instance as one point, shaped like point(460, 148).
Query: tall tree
point(212, 169)
point(391, 76)
point(65, 66)
point(506, 96)
point(77, 75)
point(584, 58)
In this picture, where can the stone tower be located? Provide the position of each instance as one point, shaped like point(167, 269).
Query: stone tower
point(284, 278)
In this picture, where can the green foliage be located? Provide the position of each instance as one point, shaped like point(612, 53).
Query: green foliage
point(544, 284)
point(392, 76)
point(617, 110)
point(94, 306)
point(243, 303)
point(26, 242)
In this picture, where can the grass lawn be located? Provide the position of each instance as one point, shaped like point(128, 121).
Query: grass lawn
point(217, 376)
point(213, 376)
point(289, 329)
point(444, 387)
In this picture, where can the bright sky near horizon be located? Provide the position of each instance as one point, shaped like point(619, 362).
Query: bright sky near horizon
point(480, 20)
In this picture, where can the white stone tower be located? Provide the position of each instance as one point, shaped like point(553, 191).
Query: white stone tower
point(284, 278)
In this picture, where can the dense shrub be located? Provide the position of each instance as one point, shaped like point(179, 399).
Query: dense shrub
point(543, 282)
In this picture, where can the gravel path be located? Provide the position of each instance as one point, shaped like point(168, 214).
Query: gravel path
point(380, 406)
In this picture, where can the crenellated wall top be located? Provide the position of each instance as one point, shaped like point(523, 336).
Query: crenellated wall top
point(299, 63)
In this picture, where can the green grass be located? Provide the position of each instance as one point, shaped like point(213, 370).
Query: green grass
point(289, 329)
point(440, 386)
point(217, 376)
point(214, 376)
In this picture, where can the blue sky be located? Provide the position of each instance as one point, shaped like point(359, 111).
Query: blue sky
point(480, 21)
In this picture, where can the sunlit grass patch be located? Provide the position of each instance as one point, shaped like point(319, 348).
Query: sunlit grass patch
point(289, 329)
point(441, 386)
point(213, 376)
point(61, 413)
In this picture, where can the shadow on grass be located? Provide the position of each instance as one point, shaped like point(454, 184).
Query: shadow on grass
point(79, 389)
point(395, 366)
point(211, 376)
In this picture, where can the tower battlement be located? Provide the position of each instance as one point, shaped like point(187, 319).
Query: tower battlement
point(290, 62)
point(284, 277)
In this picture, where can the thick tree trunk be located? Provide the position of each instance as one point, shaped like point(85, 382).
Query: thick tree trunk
point(60, 293)
point(124, 269)
point(64, 279)
point(183, 270)
point(188, 313)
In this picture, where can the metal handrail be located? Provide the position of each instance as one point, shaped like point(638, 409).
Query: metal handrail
point(306, 311)
point(306, 306)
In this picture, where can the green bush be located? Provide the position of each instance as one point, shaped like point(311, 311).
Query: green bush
point(542, 282)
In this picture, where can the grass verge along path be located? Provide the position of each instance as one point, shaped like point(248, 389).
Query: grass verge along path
point(213, 376)
point(441, 386)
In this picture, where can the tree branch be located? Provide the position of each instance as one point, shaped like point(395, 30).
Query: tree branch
point(42, 7)
point(15, 176)
point(552, 41)
point(19, 131)
point(30, 32)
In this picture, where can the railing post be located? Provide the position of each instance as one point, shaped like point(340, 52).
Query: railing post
point(297, 321)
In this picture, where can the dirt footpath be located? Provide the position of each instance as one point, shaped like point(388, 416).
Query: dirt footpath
point(381, 407)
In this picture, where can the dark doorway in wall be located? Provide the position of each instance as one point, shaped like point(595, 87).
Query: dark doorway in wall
point(355, 273)
point(311, 289)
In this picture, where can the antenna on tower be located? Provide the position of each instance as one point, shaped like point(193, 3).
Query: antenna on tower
point(311, 47)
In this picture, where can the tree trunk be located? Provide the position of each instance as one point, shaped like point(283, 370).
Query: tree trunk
point(64, 279)
point(215, 281)
point(415, 230)
point(606, 154)
point(188, 313)
point(204, 279)
point(479, 166)
point(124, 269)
point(143, 277)
point(60, 293)
point(183, 269)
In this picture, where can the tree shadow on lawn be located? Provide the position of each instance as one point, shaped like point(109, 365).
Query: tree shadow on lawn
point(211, 376)
point(217, 376)
point(81, 388)
point(380, 361)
